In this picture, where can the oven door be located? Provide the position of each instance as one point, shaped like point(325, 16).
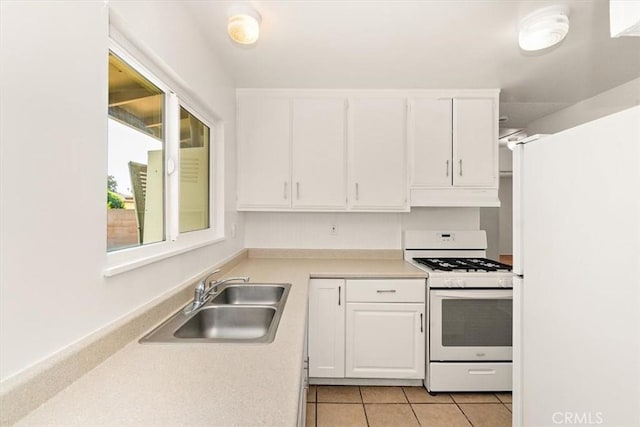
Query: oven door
point(470, 325)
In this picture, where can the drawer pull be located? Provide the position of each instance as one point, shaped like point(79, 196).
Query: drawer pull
point(386, 291)
point(482, 371)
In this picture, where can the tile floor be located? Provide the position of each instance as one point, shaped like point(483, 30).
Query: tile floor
point(348, 406)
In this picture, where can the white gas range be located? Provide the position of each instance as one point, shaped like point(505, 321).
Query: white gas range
point(469, 304)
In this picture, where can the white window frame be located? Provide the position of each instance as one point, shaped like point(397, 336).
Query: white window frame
point(174, 243)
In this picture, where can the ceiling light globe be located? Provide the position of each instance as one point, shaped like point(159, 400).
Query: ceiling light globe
point(543, 28)
point(243, 29)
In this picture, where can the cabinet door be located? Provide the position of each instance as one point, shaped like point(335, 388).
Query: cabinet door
point(264, 152)
point(385, 340)
point(377, 144)
point(319, 148)
point(475, 143)
point(431, 143)
point(326, 328)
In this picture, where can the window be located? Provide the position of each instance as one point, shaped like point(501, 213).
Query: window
point(194, 173)
point(159, 174)
point(135, 171)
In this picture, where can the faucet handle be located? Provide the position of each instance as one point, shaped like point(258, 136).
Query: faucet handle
point(207, 280)
point(199, 291)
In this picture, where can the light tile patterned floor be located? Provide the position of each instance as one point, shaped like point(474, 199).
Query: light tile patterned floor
point(347, 406)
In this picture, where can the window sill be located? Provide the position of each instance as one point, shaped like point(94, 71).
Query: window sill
point(155, 252)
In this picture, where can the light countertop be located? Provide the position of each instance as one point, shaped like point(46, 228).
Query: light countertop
point(210, 384)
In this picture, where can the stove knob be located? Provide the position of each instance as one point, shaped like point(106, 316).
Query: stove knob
point(460, 283)
point(504, 283)
point(448, 283)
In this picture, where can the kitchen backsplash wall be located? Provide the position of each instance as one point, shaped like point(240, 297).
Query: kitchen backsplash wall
point(353, 230)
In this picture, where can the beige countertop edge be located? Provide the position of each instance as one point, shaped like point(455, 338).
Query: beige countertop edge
point(376, 275)
point(27, 390)
point(242, 384)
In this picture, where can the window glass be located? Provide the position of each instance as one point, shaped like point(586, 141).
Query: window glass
point(135, 172)
point(194, 173)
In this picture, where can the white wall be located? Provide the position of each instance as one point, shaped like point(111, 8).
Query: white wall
point(505, 215)
point(617, 99)
point(53, 158)
point(490, 222)
point(355, 230)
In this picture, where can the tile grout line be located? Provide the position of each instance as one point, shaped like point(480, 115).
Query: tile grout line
point(411, 406)
point(460, 409)
point(505, 405)
point(364, 408)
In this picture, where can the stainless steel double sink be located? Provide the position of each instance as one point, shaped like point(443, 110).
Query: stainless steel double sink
point(237, 313)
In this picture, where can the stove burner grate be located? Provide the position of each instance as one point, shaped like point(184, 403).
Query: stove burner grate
point(463, 264)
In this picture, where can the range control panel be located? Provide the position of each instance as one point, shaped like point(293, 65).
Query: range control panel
point(447, 237)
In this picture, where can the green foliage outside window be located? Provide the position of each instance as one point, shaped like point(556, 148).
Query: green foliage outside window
point(114, 201)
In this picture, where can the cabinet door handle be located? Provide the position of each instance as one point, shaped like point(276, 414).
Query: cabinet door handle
point(339, 292)
point(285, 190)
point(460, 167)
point(447, 169)
point(383, 291)
point(297, 190)
point(357, 192)
point(421, 322)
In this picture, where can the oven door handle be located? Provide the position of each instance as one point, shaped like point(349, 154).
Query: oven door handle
point(475, 294)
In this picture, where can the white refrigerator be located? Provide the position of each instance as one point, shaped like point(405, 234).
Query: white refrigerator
point(576, 349)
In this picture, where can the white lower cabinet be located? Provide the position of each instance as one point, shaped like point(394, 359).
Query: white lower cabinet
point(385, 340)
point(377, 331)
point(326, 328)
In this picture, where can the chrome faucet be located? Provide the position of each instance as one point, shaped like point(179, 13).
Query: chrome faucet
point(206, 288)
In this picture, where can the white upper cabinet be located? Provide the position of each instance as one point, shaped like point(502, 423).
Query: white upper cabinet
point(319, 153)
point(431, 157)
point(454, 151)
point(264, 139)
point(377, 141)
point(348, 150)
point(475, 143)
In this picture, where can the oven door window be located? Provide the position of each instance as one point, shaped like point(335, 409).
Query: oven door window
point(470, 324)
point(476, 322)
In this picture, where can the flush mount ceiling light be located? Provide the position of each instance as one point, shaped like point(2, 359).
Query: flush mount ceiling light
point(544, 28)
point(244, 24)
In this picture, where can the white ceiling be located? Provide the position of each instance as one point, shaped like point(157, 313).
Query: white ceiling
point(426, 44)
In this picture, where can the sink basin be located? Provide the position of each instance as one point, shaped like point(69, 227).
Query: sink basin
point(237, 313)
point(240, 323)
point(250, 294)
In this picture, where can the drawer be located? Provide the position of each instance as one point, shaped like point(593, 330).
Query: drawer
point(469, 377)
point(388, 290)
